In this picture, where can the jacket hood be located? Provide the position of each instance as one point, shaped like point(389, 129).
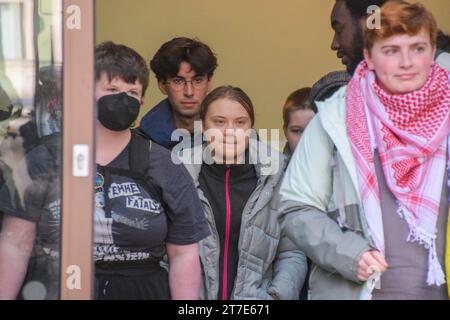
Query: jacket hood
point(158, 124)
point(267, 161)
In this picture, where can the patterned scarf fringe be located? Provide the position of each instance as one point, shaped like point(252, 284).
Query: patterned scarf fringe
point(435, 275)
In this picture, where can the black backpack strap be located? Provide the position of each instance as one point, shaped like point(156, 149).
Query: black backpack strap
point(139, 132)
point(139, 152)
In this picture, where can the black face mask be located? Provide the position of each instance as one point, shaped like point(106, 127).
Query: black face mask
point(117, 112)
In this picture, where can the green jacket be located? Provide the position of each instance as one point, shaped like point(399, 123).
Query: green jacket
point(270, 266)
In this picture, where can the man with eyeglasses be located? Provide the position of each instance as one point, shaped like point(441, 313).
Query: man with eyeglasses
point(184, 68)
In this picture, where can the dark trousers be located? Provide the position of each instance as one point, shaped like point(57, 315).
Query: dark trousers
point(131, 282)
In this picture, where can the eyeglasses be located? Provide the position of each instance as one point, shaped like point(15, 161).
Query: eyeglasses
point(178, 83)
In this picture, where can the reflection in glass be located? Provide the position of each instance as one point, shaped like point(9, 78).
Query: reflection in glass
point(30, 147)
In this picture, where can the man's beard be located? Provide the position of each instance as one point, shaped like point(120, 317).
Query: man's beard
point(358, 48)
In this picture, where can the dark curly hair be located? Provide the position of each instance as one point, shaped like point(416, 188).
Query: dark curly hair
point(358, 8)
point(166, 62)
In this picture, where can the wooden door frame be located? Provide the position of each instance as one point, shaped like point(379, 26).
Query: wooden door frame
point(78, 129)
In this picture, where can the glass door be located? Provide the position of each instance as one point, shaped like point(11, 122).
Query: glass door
point(46, 143)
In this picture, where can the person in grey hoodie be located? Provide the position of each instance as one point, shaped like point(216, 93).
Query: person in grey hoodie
point(238, 177)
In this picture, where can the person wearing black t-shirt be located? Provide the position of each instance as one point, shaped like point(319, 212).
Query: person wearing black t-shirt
point(139, 218)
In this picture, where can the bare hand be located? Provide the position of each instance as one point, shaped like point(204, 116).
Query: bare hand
point(370, 262)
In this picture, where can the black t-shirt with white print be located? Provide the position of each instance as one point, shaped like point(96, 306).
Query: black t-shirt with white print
point(136, 228)
point(135, 225)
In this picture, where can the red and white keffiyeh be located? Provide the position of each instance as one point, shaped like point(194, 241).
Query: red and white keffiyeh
point(410, 133)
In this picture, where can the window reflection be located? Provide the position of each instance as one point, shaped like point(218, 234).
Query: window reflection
point(12, 35)
point(30, 147)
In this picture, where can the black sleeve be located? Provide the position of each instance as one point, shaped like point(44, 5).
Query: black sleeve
point(26, 198)
point(186, 220)
point(10, 202)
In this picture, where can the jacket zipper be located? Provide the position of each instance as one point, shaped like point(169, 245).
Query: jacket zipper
point(227, 236)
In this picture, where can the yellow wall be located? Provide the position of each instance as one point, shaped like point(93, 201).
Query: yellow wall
point(269, 48)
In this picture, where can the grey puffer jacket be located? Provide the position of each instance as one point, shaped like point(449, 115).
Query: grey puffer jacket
point(270, 266)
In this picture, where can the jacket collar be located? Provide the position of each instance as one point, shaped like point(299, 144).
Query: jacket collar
point(332, 115)
point(158, 124)
point(268, 162)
